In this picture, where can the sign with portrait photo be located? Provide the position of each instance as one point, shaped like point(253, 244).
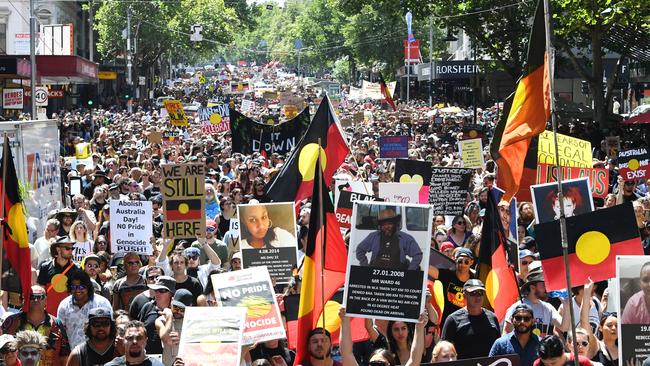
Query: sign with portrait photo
point(577, 199)
point(388, 260)
point(267, 233)
point(344, 209)
point(633, 275)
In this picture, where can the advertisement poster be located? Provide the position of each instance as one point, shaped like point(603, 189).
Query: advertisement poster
point(388, 260)
point(267, 233)
point(131, 226)
point(252, 289)
point(633, 275)
point(212, 336)
point(12, 98)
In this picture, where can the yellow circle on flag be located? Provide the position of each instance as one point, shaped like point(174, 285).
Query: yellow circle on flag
point(592, 247)
point(633, 164)
point(215, 118)
point(183, 208)
point(491, 286)
point(331, 313)
point(473, 133)
point(307, 160)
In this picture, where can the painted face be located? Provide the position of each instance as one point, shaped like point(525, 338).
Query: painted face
point(29, 356)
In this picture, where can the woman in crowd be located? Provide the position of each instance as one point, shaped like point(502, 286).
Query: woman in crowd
point(83, 245)
point(459, 233)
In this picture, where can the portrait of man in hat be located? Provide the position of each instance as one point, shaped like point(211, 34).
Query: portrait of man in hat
point(389, 247)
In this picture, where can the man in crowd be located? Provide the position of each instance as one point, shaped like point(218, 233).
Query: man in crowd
point(54, 273)
point(150, 276)
point(31, 347)
point(521, 340)
point(164, 289)
point(129, 286)
point(170, 324)
point(319, 347)
point(42, 244)
point(99, 348)
point(453, 281)
point(135, 340)
point(472, 329)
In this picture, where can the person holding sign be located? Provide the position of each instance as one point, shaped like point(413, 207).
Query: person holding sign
point(257, 229)
point(389, 247)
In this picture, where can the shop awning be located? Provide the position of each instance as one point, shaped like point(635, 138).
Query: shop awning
point(12, 67)
point(65, 70)
point(639, 119)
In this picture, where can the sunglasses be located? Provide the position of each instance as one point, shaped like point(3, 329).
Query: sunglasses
point(100, 323)
point(193, 257)
point(460, 222)
point(378, 363)
point(4, 351)
point(152, 278)
point(583, 344)
point(522, 318)
point(476, 293)
point(37, 297)
point(77, 287)
point(463, 261)
point(134, 339)
point(525, 263)
point(133, 263)
point(210, 229)
point(65, 247)
point(25, 353)
point(92, 265)
point(162, 291)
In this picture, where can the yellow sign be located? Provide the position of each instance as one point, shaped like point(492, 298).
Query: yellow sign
point(83, 150)
point(176, 113)
point(106, 75)
point(471, 152)
point(572, 151)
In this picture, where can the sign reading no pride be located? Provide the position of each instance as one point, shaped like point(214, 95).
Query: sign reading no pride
point(131, 226)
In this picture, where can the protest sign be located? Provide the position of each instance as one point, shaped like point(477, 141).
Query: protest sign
point(598, 177)
point(471, 153)
point(154, 137)
point(352, 186)
point(171, 138)
point(505, 360)
point(212, 336)
point(633, 327)
point(414, 171)
point(572, 151)
point(251, 288)
point(633, 164)
point(448, 189)
point(473, 131)
point(268, 95)
point(577, 199)
point(131, 226)
point(391, 147)
point(247, 105)
point(183, 191)
point(214, 119)
point(175, 112)
point(344, 208)
point(249, 136)
point(387, 268)
point(400, 192)
point(239, 87)
point(267, 233)
point(12, 98)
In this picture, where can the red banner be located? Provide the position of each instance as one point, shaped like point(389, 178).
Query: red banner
point(598, 177)
point(414, 56)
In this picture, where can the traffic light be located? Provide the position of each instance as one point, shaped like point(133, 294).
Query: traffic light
point(585, 87)
point(127, 92)
point(90, 102)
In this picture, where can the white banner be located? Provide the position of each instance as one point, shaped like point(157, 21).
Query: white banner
point(12, 98)
point(131, 226)
point(400, 192)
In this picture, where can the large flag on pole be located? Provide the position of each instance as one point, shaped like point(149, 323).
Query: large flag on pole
point(295, 180)
point(324, 265)
point(14, 234)
point(386, 92)
point(528, 114)
point(409, 22)
point(494, 270)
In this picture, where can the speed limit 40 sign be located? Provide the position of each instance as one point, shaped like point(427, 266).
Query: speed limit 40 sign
point(40, 96)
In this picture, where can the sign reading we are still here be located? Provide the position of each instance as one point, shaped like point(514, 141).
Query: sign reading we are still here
point(183, 191)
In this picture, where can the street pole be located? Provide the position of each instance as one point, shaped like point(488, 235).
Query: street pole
point(430, 60)
point(91, 40)
point(129, 62)
point(299, 73)
point(32, 56)
point(474, 89)
point(408, 70)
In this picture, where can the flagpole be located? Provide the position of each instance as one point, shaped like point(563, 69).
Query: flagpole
point(322, 236)
point(2, 200)
point(563, 229)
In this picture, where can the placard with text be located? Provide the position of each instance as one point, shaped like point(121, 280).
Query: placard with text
point(448, 189)
point(131, 226)
point(183, 191)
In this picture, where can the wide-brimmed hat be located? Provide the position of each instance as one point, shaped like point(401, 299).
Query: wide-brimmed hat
point(388, 215)
point(164, 282)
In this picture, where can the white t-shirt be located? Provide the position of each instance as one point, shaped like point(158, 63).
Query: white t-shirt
point(81, 249)
point(545, 316)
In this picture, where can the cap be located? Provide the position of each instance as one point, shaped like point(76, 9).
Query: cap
point(446, 245)
point(112, 186)
point(463, 252)
point(211, 223)
point(472, 285)
point(522, 307)
point(182, 298)
point(6, 338)
point(236, 255)
point(191, 251)
point(164, 282)
point(526, 253)
point(100, 312)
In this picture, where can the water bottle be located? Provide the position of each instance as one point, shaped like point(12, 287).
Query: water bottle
point(560, 294)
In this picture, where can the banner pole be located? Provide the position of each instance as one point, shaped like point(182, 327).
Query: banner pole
point(321, 214)
point(563, 229)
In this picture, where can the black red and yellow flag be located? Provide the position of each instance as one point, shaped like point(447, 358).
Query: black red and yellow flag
point(324, 265)
point(528, 113)
point(14, 240)
point(496, 273)
point(594, 239)
point(185, 209)
point(295, 180)
point(386, 93)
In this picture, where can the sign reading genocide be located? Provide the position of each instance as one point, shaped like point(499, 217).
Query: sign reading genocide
point(175, 112)
point(183, 191)
point(131, 226)
point(598, 177)
point(572, 151)
point(633, 164)
point(391, 147)
point(448, 190)
point(215, 119)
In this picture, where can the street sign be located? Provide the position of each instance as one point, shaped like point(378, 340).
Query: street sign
point(41, 96)
point(196, 35)
point(142, 80)
point(298, 44)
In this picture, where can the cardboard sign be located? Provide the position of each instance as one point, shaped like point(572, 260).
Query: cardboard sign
point(267, 234)
point(448, 190)
point(215, 119)
point(577, 197)
point(171, 138)
point(391, 147)
point(400, 192)
point(572, 151)
point(247, 105)
point(251, 288)
point(12, 98)
point(633, 164)
point(471, 153)
point(155, 137)
point(183, 191)
point(131, 226)
point(344, 208)
point(270, 95)
point(212, 336)
point(386, 275)
point(633, 342)
point(598, 177)
point(416, 171)
point(175, 112)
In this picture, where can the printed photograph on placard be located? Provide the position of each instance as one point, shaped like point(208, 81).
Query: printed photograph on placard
point(388, 260)
point(267, 233)
point(633, 277)
point(577, 199)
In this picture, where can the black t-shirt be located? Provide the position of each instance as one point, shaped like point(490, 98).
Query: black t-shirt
point(138, 303)
point(473, 335)
point(453, 292)
point(89, 357)
point(261, 351)
point(148, 316)
point(388, 256)
point(192, 285)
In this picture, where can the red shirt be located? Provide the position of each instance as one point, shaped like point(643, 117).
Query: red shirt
point(582, 360)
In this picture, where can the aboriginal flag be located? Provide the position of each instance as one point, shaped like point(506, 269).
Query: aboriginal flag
point(594, 239)
point(15, 242)
point(494, 270)
point(527, 114)
point(386, 93)
point(181, 210)
point(324, 265)
point(295, 180)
